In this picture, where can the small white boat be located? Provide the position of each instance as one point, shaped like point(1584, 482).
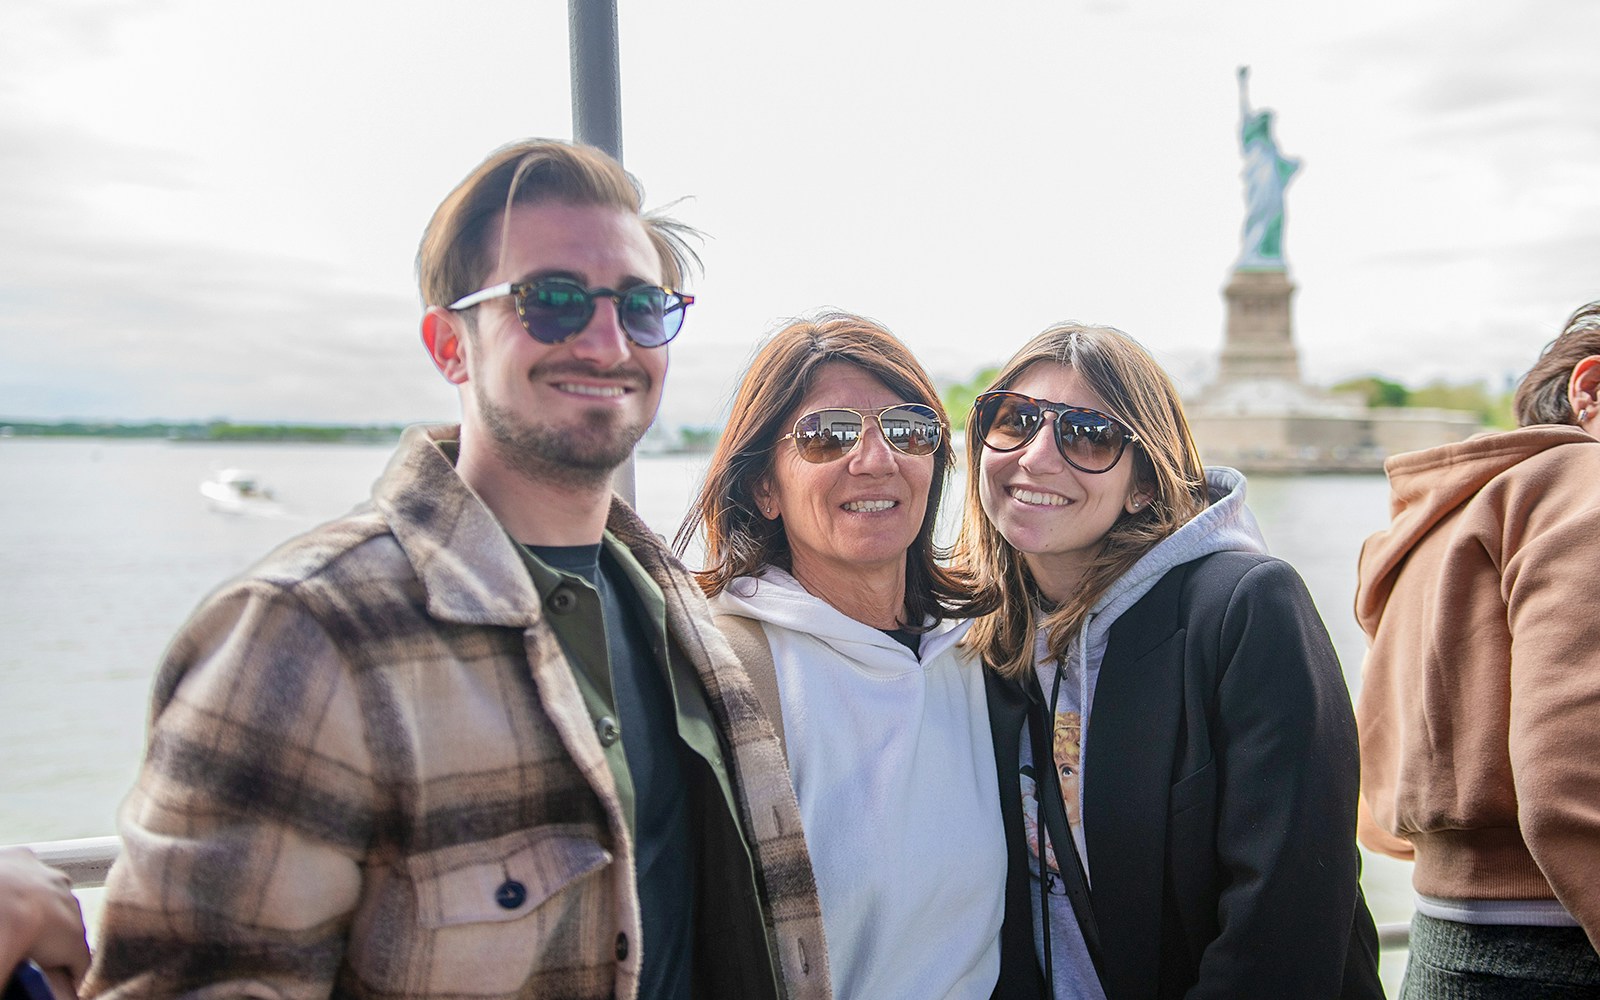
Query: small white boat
point(235, 491)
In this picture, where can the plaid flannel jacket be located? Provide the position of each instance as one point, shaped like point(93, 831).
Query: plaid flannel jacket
point(354, 749)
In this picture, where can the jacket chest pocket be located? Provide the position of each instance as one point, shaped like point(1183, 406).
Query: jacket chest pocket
point(502, 879)
point(1195, 790)
point(1192, 849)
point(483, 918)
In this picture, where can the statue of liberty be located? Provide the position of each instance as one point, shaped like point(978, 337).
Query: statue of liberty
point(1266, 175)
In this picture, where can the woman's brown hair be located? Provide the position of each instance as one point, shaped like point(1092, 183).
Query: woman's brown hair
point(739, 541)
point(1166, 467)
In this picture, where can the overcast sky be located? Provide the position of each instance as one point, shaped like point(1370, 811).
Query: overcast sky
point(211, 209)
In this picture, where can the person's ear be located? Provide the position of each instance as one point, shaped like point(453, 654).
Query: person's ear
point(766, 502)
point(1583, 389)
point(1138, 499)
point(444, 334)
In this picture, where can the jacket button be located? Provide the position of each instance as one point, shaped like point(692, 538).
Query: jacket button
point(562, 600)
point(622, 947)
point(607, 730)
point(511, 894)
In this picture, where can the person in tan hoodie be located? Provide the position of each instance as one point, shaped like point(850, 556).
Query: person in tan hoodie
point(1479, 714)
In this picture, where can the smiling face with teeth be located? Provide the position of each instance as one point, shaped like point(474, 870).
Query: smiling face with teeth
point(568, 412)
point(849, 522)
point(1051, 512)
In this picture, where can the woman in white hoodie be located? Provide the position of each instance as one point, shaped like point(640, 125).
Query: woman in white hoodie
point(1171, 687)
point(818, 514)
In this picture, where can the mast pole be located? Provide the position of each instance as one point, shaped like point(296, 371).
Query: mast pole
point(596, 77)
point(597, 112)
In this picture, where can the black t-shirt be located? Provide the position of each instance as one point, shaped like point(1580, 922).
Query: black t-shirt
point(648, 719)
point(908, 639)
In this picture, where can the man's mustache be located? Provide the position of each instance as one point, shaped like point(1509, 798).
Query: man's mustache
point(631, 375)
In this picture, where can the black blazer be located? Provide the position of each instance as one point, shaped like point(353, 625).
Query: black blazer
point(1219, 801)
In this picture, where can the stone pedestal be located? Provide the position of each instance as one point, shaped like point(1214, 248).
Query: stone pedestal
point(1259, 417)
point(1259, 340)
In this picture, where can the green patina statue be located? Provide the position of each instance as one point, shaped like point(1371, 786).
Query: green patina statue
point(1266, 174)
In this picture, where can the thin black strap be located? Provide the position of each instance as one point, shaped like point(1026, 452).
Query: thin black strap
point(1053, 815)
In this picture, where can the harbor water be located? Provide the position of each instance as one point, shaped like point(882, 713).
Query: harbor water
point(107, 545)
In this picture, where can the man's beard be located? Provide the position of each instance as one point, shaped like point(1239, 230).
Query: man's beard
point(581, 455)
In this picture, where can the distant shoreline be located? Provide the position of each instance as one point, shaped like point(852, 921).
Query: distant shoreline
point(687, 440)
point(214, 431)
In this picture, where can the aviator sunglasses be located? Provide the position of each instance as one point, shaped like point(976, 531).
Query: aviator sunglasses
point(554, 310)
point(830, 434)
point(1089, 440)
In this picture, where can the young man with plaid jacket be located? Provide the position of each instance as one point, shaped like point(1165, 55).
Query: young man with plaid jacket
point(478, 738)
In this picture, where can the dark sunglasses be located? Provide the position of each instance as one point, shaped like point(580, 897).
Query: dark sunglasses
point(831, 434)
point(1089, 440)
point(553, 310)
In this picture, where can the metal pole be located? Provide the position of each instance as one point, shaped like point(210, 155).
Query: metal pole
point(596, 79)
point(597, 113)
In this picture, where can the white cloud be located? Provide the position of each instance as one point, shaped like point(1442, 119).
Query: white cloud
point(211, 209)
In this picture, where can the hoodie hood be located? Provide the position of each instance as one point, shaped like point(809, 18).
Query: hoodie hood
point(1425, 487)
point(1226, 525)
point(777, 598)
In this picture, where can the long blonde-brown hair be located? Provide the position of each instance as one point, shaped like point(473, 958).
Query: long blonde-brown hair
point(1166, 467)
point(739, 541)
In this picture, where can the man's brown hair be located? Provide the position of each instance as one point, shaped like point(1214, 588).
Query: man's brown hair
point(1542, 396)
point(454, 257)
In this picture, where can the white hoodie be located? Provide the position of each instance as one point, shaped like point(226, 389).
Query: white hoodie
point(894, 768)
point(1224, 526)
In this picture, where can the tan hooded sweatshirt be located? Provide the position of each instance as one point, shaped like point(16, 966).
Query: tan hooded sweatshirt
point(1480, 706)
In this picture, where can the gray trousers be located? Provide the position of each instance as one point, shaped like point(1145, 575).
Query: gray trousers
point(1456, 961)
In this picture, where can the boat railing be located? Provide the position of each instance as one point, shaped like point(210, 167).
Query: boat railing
point(88, 861)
